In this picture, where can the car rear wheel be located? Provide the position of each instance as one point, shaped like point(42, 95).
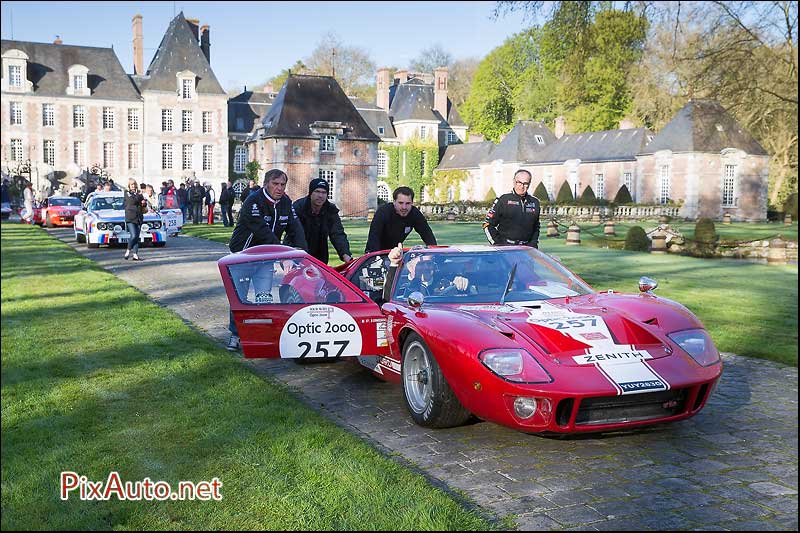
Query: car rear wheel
point(428, 396)
point(80, 237)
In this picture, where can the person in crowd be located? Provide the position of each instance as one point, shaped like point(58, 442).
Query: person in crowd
point(183, 202)
point(251, 188)
point(226, 196)
point(197, 195)
point(135, 206)
point(113, 186)
point(168, 197)
point(98, 188)
point(514, 217)
point(210, 200)
point(27, 202)
point(107, 187)
point(321, 221)
point(5, 196)
point(393, 222)
point(150, 195)
point(265, 216)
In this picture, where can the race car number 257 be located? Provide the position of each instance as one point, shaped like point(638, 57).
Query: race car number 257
point(320, 331)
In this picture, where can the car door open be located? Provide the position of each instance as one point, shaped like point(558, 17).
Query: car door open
point(287, 304)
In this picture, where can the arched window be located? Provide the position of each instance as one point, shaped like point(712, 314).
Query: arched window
point(383, 191)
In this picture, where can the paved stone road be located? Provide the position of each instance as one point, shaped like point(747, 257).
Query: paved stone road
point(733, 466)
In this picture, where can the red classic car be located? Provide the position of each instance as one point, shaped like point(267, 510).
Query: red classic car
point(57, 211)
point(505, 334)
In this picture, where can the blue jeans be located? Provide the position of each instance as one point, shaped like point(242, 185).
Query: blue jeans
point(133, 242)
point(185, 212)
point(197, 212)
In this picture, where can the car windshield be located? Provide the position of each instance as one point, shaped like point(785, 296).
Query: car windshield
point(482, 277)
point(65, 200)
point(106, 202)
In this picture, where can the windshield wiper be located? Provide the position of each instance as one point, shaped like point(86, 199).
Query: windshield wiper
point(508, 284)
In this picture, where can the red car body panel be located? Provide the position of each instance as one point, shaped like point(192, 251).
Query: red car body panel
point(57, 215)
point(578, 390)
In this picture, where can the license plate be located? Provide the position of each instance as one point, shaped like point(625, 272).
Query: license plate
point(124, 235)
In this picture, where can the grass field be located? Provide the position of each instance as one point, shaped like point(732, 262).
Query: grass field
point(750, 309)
point(97, 378)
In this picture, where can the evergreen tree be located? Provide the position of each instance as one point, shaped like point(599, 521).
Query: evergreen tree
point(623, 196)
point(565, 194)
point(490, 195)
point(588, 197)
point(541, 193)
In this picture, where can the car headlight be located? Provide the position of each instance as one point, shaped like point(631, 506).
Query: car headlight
point(698, 344)
point(102, 226)
point(514, 364)
point(155, 224)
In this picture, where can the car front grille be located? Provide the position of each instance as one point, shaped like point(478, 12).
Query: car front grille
point(630, 408)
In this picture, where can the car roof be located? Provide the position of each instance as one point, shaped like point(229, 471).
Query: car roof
point(108, 194)
point(456, 248)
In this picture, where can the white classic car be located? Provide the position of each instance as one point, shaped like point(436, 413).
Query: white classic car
point(102, 221)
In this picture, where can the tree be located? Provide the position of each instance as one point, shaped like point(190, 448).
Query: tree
point(277, 81)
point(541, 193)
point(490, 107)
point(351, 66)
point(588, 197)
point(430, 58)
point(623, 196)
point(565, 194)
point(459, 80)
point(251, 170)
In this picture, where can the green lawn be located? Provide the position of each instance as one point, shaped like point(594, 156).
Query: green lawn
point(750, 309)
point(97, 378)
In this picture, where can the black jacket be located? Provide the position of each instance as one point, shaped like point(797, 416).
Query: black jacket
point(319, 228)
point(133, 208)
point(197, 194)
point(388, 228)
point(513, 219)
point(225, 197)
point(263, 221)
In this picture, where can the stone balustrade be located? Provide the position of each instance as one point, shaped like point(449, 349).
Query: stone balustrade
point(623, 213)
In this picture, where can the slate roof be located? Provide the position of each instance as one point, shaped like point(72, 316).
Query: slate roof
point(179, 51)
point(468, 155)
point(304, 100)
point(48, 66)
point(609, 145)
point(520, 143)
point(704, 126)
point(375, 117)
point(248, 106)
point(413, 100)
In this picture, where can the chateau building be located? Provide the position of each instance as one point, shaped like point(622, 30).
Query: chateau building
point(702, 161)
point(72, 112)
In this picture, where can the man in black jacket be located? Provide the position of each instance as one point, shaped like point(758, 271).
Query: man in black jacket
point(226, 203)
point(514, 217)
point(320, 220)
point(393, 222)
point(197, 195)
point(265, 216)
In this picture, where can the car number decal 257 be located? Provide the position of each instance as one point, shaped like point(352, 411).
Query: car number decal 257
point(626, 368)
point(320, 331)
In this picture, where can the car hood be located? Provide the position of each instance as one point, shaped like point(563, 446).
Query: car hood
point(576, 333)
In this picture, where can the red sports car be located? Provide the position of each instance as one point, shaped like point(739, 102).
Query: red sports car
point(57, 211)
point(505, 334)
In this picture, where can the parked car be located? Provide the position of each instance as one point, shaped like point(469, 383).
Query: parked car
point(102, 221)
point(56, 211)
point(506, 334)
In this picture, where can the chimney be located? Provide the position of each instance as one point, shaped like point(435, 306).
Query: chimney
point(194, 24)
point(138, 49)
point(440, 91)
point(626, 124)
point(401, 75)
point(205, 42)
point(382, 89)
point(561, 126)
point(58, 40)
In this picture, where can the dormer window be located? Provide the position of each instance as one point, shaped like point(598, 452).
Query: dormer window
point(15, 67)
point(186, 81)
point(78, 76)
point(539, 139)
point(327, 143)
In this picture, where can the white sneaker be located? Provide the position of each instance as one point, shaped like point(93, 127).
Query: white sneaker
point(233, 343)
point(263, 298)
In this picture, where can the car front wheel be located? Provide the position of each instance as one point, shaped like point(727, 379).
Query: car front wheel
point(428, 396)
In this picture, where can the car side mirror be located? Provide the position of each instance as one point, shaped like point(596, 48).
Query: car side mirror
point(415, 299)
point(647, 285)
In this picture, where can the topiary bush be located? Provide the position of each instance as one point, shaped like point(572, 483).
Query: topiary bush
point(705, 236)
point(541, 193)
point(623, 196)
point(636, 240)
point(490, 195)
point(588, 197)
point(565, 194)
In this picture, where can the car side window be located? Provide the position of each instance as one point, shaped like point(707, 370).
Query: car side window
point(288, 281)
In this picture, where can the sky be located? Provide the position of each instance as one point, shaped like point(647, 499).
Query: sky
point(253, 41)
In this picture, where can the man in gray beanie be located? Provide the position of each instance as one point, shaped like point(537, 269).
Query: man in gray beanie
point(320, 221)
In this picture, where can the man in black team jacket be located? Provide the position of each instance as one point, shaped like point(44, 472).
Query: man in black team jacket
point(266, 214)
point(320, 220)
point(514, 217)
point(393, 222)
